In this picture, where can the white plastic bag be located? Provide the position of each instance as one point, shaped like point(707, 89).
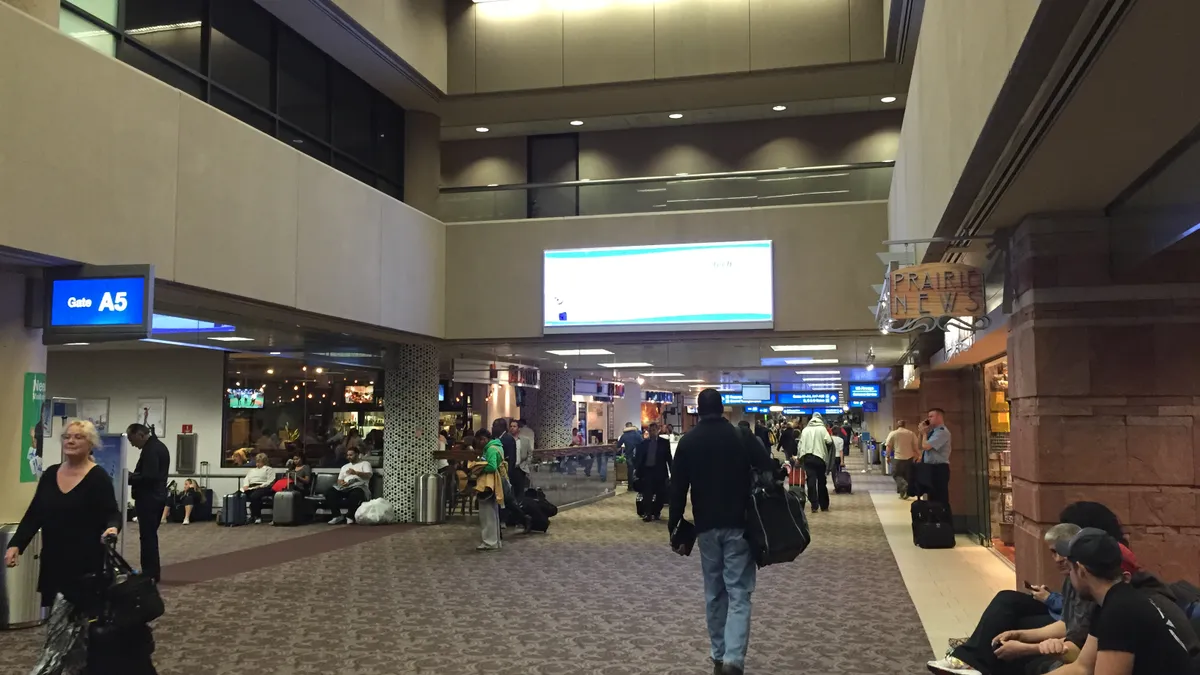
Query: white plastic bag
point(375, 512)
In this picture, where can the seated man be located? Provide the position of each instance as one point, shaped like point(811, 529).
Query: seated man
point(1130, 633)
point(257, 485)
point(1008, 636)
point(351, 489)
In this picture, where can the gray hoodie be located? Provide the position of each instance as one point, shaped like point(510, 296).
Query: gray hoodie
point(815, 440)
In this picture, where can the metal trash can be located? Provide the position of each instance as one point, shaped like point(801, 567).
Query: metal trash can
point(429, 500)
point(20, 602)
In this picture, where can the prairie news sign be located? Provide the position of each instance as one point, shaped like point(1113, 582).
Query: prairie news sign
point(935, 290)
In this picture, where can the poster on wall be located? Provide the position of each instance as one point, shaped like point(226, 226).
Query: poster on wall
point(152, 412)
point(95, 410)
point(32, 397)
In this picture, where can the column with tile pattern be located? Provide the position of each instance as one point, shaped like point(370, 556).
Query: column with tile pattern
point(555, 409)
point(410, 408)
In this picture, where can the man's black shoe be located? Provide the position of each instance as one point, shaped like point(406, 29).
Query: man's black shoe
point(717, 668)
point(729, 669)
point(646, 519)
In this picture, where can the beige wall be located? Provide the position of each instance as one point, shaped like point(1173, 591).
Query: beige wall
point(530, 44)
point(105, 165)
point(696, 148)
point(963, 58)
point(825, 262)
point(414, 29)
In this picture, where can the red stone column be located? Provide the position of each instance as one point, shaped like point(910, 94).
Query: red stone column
point(1105, 390)
point(906, 405)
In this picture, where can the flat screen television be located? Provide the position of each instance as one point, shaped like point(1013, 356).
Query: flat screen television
point(754, 393)
point(357, 394)
point(597, 290)
point(246, 398)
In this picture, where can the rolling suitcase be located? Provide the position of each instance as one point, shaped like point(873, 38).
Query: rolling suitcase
point(233, 510)
point(932, 525)
point(285, 508)
point(842, 483)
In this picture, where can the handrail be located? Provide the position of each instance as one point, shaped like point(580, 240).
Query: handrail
point(678, 178)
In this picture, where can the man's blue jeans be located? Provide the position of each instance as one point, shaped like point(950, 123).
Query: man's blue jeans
point(602, 465)
point(729, 576)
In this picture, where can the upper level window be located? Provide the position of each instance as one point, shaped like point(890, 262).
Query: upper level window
point(303, 85)
point(85, 31)
point(104, 10)
point(240, 51)
point(171, 29)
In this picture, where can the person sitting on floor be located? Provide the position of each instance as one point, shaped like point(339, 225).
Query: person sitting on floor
point(191, 496)
point(351, 489)
point(257, 485)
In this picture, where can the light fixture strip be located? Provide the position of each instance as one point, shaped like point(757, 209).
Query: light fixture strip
point(630, 364)
point(803, 348)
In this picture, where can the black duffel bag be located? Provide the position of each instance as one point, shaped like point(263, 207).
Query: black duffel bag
point(776, 527)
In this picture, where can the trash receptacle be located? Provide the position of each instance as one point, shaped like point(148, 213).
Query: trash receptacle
point(429, 500)
point(20, 602)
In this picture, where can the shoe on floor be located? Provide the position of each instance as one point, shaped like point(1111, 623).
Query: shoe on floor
point(646, 519)
point(955, 643)
point(258, 521)
point(485, 547)
point(730, 669)
point(337, 521)
point(951, 666)
point(716, 667)
point(349, 521)
point(186, 521)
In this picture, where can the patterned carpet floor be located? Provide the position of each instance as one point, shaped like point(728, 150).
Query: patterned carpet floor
point(601, 594)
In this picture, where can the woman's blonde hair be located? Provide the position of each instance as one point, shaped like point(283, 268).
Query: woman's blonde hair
point(87, 429)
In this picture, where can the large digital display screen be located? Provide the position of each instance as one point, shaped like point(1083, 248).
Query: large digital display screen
point(756, 392)
point(809, 398)
point(868, 390)
point(252, 399)
point(609, 289)
point(98, 302)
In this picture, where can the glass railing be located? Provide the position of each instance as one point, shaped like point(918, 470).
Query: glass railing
point(653, 194)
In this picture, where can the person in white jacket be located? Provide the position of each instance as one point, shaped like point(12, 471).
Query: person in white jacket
point(815, 450)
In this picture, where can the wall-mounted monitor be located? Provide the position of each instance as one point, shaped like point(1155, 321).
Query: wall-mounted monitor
point(809, 398)
point(865, 390)
point(246, 399)
point(360, 394)
point(756, 393)
point(98, 303)
point(597, 290)
point(441, 393)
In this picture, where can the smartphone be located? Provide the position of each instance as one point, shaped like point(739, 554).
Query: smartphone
point(1029, 586)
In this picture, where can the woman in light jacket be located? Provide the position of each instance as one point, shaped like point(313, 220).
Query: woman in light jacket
point(815, 450)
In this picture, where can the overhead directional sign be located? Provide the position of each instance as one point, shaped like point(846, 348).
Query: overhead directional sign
point(809, 398)
point(95, 303)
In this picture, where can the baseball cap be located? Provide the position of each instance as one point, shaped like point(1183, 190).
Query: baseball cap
point(1091, 547)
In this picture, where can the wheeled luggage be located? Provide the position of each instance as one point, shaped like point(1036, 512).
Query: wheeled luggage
point(233, 509)
point(285, 508)
point(842, 482)
point(932, 525)
point(640, 505)
point(776, 527)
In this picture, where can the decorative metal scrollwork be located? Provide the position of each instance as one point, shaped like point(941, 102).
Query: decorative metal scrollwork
point(931, 323)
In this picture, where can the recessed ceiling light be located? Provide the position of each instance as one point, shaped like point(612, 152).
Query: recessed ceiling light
point(681, 174)
point(482, 130)
point(231, 338)
point(888, 99)
point(576, 123)
point(579, 352)
point(803, 348)
point(818, 372)
point(779, 108)
point(270, 371)
point(822, 379)
point(493, 185)
point(809, 361)
point(629, 364)
point(676, 116)
point(76, 344)
point(682, 381)
point(661, 374)
point(276, 353)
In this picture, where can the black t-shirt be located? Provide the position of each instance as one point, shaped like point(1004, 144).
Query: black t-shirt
point(1130, 622)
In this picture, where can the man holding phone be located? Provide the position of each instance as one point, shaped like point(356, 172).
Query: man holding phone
point(935, 447)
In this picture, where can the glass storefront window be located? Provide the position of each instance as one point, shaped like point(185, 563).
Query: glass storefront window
point(1000, 498)
point(105, 10)
point(87, 32)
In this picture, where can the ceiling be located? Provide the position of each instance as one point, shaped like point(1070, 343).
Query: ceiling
point(798, 108)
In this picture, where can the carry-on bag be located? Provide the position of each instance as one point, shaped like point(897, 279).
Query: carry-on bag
point(233, 509)
point(776, 527)
point(842, 483)
point(640, 505)
point(932, 525)
point(285, 508)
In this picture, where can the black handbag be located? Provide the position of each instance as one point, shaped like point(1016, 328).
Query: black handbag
point(130, 599)
point(683, 537)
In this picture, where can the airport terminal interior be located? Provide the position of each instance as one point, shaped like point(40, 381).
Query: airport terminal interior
point(315, 246)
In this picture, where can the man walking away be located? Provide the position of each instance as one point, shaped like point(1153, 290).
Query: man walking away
point(653, 470)
point(901, 445)
point(935, 444)
point(787, 440)
point(148, 483)
point(713, 460)
point(839, 444)
point(745, 426)
point(763, 434)
point(816, 456)
point(627, 444)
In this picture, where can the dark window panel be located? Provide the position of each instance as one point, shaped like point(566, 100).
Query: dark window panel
point(303, 85)
point(168, 27)
point(304, 143)
point(389, 139)
point(351, 115)
point(243, 111)
point(388, 188)
point(240, 50)
point(353, 169)
point(155, 67)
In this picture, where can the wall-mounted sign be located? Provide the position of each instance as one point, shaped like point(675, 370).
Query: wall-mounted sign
point(98, 303)
point(793, 412)
point(865, 390)
point(494, 372)
point(855, 404)
point(870, 406)
point(761, 409)
point(659, 396)
point(738, 399)
point(600, 388)
point(935, 290)
point(809, 398)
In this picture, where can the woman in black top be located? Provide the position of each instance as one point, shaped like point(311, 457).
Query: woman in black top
point(74, 507)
